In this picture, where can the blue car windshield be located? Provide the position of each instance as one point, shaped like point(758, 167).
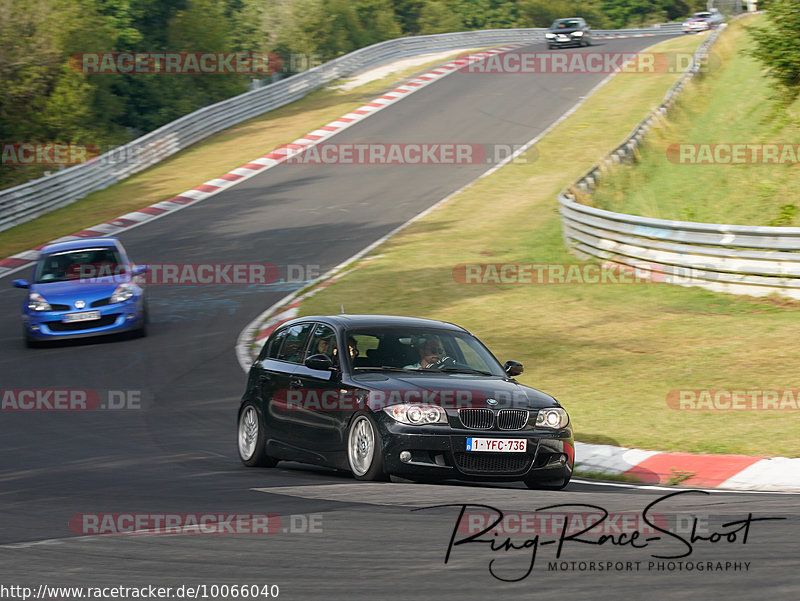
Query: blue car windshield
point(84, 263)
point(430, 349)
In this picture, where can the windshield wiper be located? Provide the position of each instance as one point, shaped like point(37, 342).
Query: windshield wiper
point(462, 370)
point(384, 368)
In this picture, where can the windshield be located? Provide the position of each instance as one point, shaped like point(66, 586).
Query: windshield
point(566, 24)
point(78, 264)
point(420, 349)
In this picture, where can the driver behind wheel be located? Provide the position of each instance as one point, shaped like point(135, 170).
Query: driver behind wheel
point(430, 352)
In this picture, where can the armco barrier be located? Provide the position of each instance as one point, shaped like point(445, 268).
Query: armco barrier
point(28, 201)
point(739, 259)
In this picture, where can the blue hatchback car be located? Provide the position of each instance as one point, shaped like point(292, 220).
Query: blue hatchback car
point(81, 288)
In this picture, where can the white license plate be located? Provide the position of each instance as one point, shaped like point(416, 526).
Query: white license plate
point(562, 38)
point(498, 445)
point(85, 316)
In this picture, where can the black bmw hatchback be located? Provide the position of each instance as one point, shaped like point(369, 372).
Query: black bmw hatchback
point(568, 32)
point(382, 395)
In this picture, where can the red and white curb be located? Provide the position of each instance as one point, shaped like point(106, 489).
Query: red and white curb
point(731, 472)
point(275, 157)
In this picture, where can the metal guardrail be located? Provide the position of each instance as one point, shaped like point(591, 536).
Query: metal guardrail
point(30, 200)
point(738, 259)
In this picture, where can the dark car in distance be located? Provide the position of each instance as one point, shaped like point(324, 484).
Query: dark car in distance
point(381, 395)
point(568, 32)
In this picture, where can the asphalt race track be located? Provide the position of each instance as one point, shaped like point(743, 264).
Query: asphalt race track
point(177, 453)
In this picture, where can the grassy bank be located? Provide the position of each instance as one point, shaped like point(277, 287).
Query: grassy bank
point(610, 353)
point(732, 104)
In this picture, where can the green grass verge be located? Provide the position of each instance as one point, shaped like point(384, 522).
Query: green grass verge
point(205, 160)
point(610, 353)
point(732, 104)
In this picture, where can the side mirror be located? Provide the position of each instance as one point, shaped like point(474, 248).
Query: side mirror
point(513, 368)
point(139, 270)
point(319, 362)
point(21, 284)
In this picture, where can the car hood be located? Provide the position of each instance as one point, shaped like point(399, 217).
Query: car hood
point(451, 390)
point(65, 293)
point(566, 30)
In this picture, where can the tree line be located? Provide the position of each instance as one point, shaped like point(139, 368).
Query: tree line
point(45, 98)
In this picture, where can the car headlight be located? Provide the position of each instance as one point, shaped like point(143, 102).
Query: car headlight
point(577, 34)
point(554, 418)
point(121, 294)
point(417, 414)
point(549, 36)
point(36, 302)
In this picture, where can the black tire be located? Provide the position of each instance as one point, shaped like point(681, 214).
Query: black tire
point(364, 449)
point(588, 42)
point(142, 331)
point(248, 431)
point(558, 480)
point(29, 341)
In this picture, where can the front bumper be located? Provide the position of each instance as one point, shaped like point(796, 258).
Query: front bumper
point(439, 452)
point(114, 319)
point(568, 42)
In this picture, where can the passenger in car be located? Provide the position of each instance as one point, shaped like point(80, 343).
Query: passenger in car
point(352, 347)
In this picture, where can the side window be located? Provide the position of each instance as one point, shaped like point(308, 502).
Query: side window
point(275, 344)
point(363, 349)
point(294, 342)
point(323, 342)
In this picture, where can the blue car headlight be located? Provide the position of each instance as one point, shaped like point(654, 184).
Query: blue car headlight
point(36, 302)
point(122, 293)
